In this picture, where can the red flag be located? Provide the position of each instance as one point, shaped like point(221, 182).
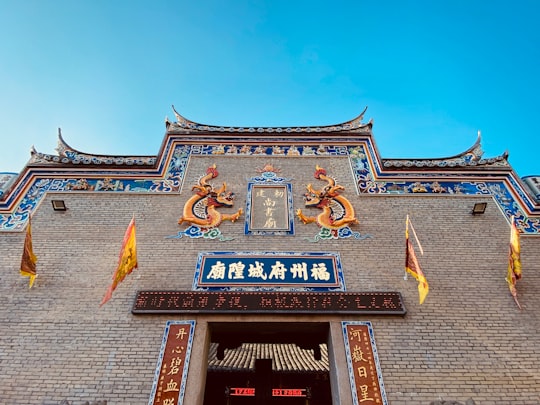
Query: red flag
point(29, 259)
point(126, 262)
point(412, 267)
point(514, 260)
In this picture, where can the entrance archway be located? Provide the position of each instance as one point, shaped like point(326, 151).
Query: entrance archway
point(283, 363)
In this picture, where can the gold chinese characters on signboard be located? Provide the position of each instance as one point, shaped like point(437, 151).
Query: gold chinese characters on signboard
point(270, 209)
point(169, 384)
point(363, 364)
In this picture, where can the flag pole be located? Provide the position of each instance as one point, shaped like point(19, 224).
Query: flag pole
point(517, 302)
point(415, 237)
point(407, 222)
point(405, 277)
point(412, 266)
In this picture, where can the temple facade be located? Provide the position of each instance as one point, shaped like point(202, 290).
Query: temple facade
point(270, 270)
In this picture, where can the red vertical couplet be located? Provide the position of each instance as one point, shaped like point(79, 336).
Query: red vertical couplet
point(169, 384)
point(364, 365)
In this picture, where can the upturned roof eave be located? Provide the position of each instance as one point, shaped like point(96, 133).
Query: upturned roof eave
point(470, 159)
point(184, 125)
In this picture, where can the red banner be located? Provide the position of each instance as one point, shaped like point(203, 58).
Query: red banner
point(364, 364)
point(169, 383)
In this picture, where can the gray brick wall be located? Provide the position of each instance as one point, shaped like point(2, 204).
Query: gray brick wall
point(468, 340)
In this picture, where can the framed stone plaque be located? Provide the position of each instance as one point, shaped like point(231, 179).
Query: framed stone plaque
point(269, 206)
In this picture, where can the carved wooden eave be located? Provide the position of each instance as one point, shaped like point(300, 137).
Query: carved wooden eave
point(353, 127)
point(68, 156)
point(469, 159)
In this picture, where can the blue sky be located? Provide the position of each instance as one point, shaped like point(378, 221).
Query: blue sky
point(432, 73)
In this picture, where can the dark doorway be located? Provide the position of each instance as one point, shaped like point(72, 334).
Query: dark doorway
point(267, 364)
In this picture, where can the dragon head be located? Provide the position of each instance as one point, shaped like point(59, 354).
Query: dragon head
point(313, 197)
point(222, 197)
point(319, 198)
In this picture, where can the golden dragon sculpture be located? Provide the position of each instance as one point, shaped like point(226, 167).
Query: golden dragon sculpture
point(201, 208)
point(337, 211)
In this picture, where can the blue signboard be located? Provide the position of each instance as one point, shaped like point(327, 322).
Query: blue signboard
point(268, 271)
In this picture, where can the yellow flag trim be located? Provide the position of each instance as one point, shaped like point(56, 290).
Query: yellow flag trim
point(29, 259)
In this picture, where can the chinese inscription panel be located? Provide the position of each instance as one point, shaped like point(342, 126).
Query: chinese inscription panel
point(261, 270)
point(363, 362)
point(259, 302)
point(269, 209)
point(171, 373)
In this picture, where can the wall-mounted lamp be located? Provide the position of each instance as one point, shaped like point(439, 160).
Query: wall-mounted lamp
point(59, 205)
point(479, 208)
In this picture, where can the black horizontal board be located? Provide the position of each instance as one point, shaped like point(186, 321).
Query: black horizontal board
point(177, 302)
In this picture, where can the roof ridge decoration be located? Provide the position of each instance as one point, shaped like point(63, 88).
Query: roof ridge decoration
point(470, 157)
point(467, 173)
point(69, 155)
point(354, 125)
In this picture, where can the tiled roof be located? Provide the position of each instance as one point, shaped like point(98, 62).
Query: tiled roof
point(286, 357)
